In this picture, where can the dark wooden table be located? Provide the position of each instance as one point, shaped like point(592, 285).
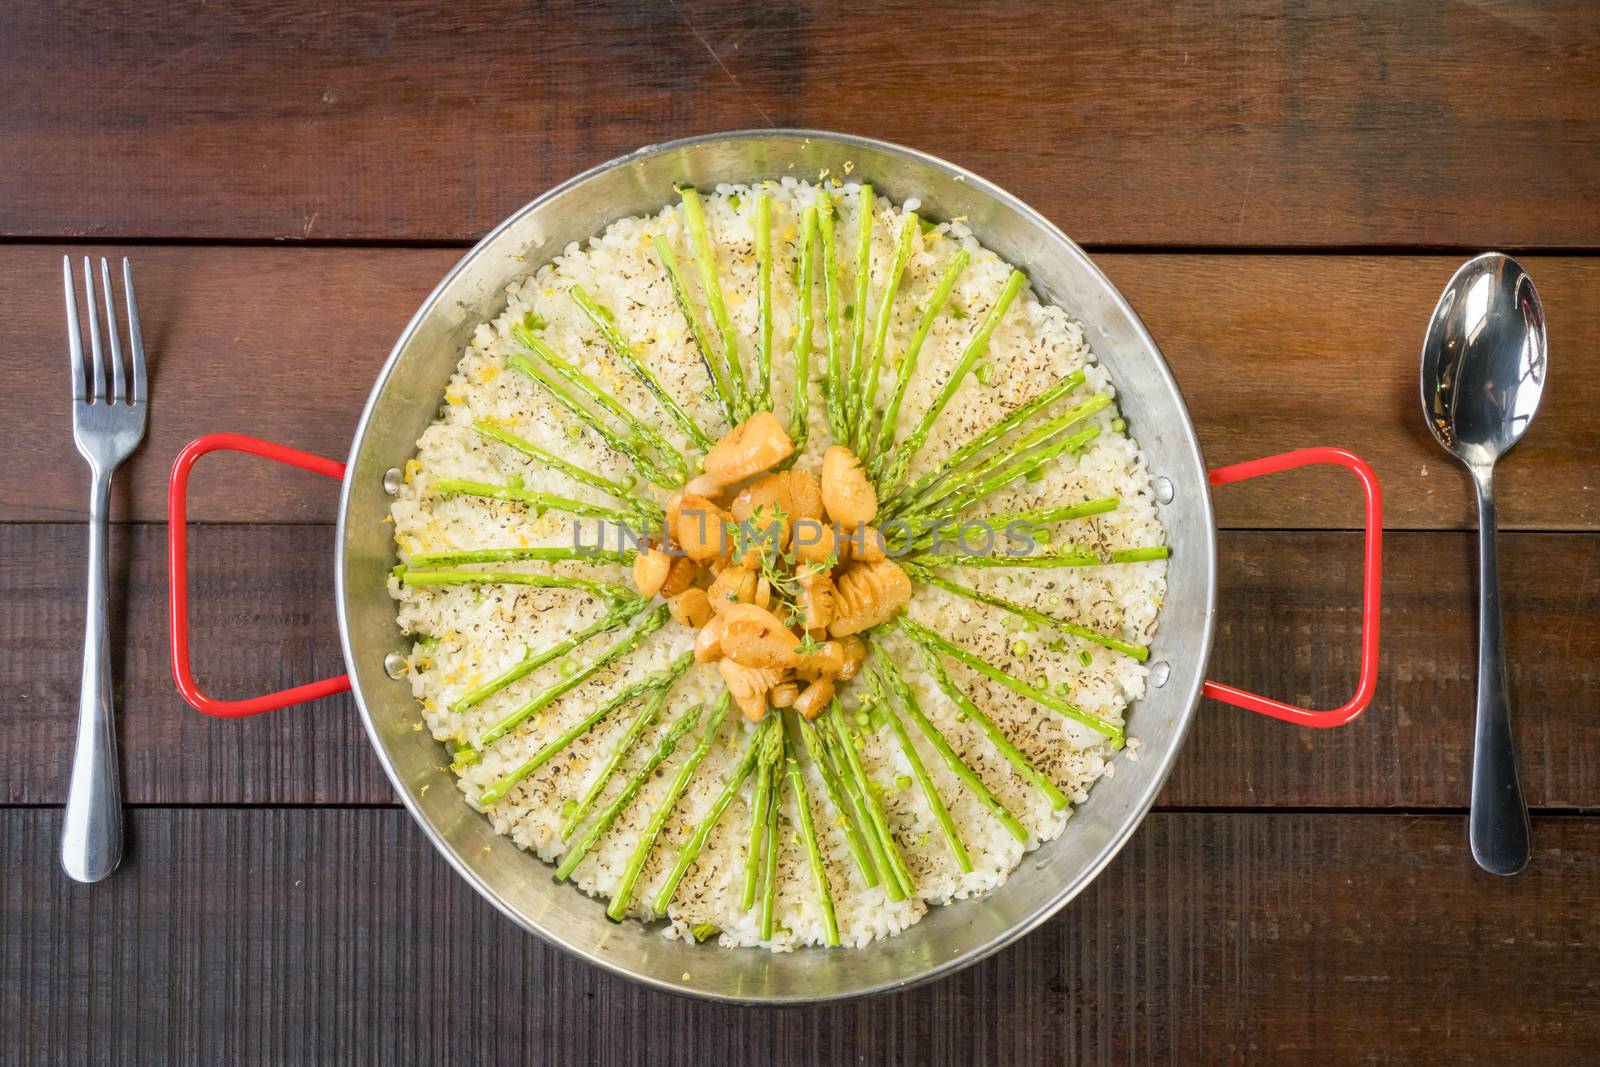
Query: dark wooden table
point(1280, 189)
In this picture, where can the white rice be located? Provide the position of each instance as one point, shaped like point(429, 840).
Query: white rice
point(476, 633)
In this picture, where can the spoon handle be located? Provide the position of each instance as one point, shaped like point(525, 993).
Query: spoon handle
point(1498, 827)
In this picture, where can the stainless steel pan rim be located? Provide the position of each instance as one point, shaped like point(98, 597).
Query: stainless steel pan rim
point(1193, 560)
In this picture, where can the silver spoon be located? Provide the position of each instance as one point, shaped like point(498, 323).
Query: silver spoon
point(1483, 368)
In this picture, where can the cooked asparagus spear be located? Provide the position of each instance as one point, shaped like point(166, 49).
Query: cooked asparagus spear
point(800, 400)
point(705, 258)
point(771, 846)
point(629, 444)
point(716, 370)
point(922, 574)
point(1041, 560)
point(647, 510)
point(758, 824)
point(614, 594)
point(1000, 427)
point(457, 557)
point(808, 834)
point(818, 754)
point(867, 377)
point(930, 794)
point(534, 660)
point(897, 872)
point(1140, 555)
point(827, 214)
point(658, 818)
point(603, 319)
point(851, 378)
point(1028, 454)
point(927, 637)
point(539, 502)
point(881, 454)
point(984, 479)
point(764, 302)
point(966, 494)
point(879, 859)
point(640, 432)
point(661, 680)
point(952, 759)
point(642, 720)
point(969, 355)
point(630, 641)
point(922, 536)
point(1049, 516)
point(897, 499)
point(697, 841)
point(760, 799)
point(997, 738)
point(608, 814)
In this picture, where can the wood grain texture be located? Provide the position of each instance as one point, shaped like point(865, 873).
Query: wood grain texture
point(261, 619)
point(337, 936)
point(1272, 352)
point(1287, 626)
point(1260, 164)
point(1281, 352)
point(1144, 124)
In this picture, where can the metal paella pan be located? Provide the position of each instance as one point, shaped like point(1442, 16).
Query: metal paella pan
point(405, 399)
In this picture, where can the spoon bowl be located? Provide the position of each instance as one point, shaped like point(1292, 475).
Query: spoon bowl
point(1483, 361)
point(1483, 371)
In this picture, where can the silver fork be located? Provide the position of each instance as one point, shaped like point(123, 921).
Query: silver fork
point(106, 429)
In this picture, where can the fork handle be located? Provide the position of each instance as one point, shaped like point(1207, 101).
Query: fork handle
point(91, 839)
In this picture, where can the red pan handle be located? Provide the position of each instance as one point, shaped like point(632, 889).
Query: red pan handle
point(178, 573)
point(1371, 587)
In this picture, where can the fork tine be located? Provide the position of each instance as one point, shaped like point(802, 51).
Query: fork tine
point(97, 387)
point(135, 337)
point(119, 385)
point(74, 332)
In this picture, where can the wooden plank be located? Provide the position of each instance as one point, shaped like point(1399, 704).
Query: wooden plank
point(1144, 124)
point(276, 343)
point(1288, 626)
point(1273, 352)
point(338, 936)
point(1288, 621)
point(1281, 352)
point(261, 619)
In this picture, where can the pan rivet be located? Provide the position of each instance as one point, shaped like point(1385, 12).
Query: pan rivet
point(393, 480)
point(1160, 671)
point(395, 665)
point(1163, 490)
